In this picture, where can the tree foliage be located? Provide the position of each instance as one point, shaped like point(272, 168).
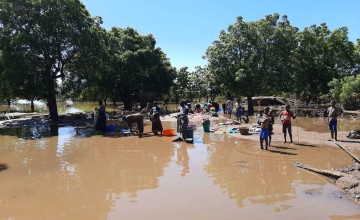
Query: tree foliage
point(271, 57)
point(44, 36)
point(54, 47)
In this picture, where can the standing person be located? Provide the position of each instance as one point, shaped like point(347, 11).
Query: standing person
point(100, 125)
point(238, 110)
point(183, 118)
point(285, 118)
point(246, 117)
point(334, 113)
point(271, 123)
point(156, 122)
point(229, 107)
point(139, 119)
point(264, 123)
point(224, 108)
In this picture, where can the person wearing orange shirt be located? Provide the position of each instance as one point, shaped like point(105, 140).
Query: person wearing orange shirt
point(285, 118)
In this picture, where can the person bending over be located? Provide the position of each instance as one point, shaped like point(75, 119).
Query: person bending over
point(139, 119)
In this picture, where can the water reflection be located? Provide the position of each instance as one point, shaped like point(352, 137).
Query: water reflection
point(99, 177)
point(75, 172)
point(30, 132)
point(183, 158)
point(265, 177)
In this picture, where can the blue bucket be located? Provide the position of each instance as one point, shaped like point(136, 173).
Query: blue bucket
point(110, 128)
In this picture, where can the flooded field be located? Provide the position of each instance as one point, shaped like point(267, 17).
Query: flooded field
point(218, 177)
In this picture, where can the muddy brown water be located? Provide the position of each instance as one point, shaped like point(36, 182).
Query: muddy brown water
point(217, 177)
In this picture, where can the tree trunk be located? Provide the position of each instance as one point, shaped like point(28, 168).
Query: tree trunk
point(127, 102)
point(348, 152)
point(8, 102)
point(32, 105)
point(250, 106)
point(54, 130)
point(330, 173)
point(53, 112)
point(105, 101)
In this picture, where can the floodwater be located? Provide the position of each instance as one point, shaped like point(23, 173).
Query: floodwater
point(217, 177)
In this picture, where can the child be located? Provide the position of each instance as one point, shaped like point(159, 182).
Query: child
point(285, 117)
point(264, 123)
point(271, 122)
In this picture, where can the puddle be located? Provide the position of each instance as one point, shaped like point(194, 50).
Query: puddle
point(217, 177)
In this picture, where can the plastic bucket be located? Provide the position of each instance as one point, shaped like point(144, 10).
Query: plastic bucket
point(189, 133)
point(206, 127)
point(191, 127)
point(110, 128)
point(244, 130)
point(99, 132)
point(169, 132)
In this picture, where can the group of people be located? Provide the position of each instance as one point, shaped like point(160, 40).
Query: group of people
point(101, 117)
point(266, 121)
point(240, 111)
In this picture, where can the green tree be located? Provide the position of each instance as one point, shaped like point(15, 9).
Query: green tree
point(321, 55)
point(252, 58)
point(180, 84)
point(90, 76)
point(49, 33)
point(347, 91)
point(198, 83)
point(137, 65)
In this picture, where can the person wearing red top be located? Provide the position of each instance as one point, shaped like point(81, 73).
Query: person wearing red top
point(285, 118)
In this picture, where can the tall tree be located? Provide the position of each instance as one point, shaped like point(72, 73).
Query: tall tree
point(252, 58)
point(137, 65)
point(321, 55)
point(50, 33)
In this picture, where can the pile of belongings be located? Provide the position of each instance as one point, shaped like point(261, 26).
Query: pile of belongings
point(254, 129)
point(354, 134)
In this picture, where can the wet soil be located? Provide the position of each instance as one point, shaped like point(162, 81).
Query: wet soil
point(219, 176)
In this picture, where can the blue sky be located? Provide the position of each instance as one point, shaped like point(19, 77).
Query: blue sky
point(184, 29)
